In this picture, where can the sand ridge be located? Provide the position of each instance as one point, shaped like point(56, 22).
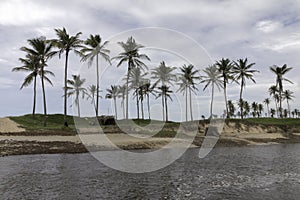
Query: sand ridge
point(9, 126)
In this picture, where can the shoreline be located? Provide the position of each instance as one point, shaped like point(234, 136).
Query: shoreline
point(24, 145)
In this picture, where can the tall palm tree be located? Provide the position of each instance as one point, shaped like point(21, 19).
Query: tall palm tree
point(133, 58)
point(91, 93)
point(148, 89)
point(246, 108)
point(273, 92)
point(254, 107)
point(31, 64)
point(164, 75)
point(288, 95)
point(272, 111)
point(113, 94)
point(93, 49)
point(43, 51)
point(225, 67)
point(136, 80)
point(243, 71)
point(280, 72)
point(122, 95)
point(187, 84)
point(66, 43)
point(213, 78)
point(75, 87)
point(260, 108)
point(267, 102)
point(164, 92)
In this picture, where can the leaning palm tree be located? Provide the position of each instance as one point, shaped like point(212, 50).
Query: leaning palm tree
point(43, 51)
point(66, 43)
point(225, 67)
point(164, 92)
point(280, 72)
point(288, 95)
point(75, 87)
point(243, 71)
point(213, 78)
point(267, 102)
point(133, 58)
point(113, 94)
point(187, 84)
point(93, 49)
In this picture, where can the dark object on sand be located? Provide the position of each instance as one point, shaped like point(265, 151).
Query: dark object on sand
point(106, 120)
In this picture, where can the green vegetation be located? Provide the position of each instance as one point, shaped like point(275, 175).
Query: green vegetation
point(36, 124)
point(274, 121)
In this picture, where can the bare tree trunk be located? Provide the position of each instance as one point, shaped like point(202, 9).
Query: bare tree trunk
point(137, 103)
point(186, 104)
point(191, 108)
point(65, 90)
point(166, 106)
point(148, 102)
point(34, 97)
point(97, 87)
point(241, 101)
point(44, 96)
point(212, 100)
point(116, 112)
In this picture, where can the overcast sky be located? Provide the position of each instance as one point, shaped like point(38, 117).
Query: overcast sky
point(266, 32)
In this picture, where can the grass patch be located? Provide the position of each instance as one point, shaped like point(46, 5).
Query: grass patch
point(54, 121)
point(274, 121)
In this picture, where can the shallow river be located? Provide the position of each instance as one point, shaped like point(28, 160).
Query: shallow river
point(260, 172)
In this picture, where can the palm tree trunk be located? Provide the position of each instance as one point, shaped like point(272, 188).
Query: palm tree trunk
point(166, 106)
point(268, 110)
point(163, 106)
point(148, 102)
point(276, 106)
point(191, 109)
point(225, 95)
point(44, 96)
point(287, 101)
point(65, 89)
point(77, 102)
point(97, 87)
point(123, 107)
point(34, 97)
point(241, 100)
point(212, 100)
point(137, 104)
point(116, 112)
point(142, 108)
point(186, 104)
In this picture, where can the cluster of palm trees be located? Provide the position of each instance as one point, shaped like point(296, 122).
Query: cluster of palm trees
point(217, 76)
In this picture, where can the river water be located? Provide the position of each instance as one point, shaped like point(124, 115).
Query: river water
point(257, 172)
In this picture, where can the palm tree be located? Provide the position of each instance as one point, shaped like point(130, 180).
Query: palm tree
point(136, 80)
point(212, 77)
point(133, 58)
point(254, 106)
point(75, 87)
point(288, 95)
point(32, 65)
point(164, 92)
point(260, 109)
point(273, 92)
point(42, 50)
point(267, 102)
point(272, 111)
point(148, 89)
point(92, 92)
point(66, 43)
point(122, 95)
point(113, 94)
point(296, 112)
point(231, 108)
point(243, 71)
point(246, 108)
point(187, 85)
point(225, 67)
point(93, 49)
point(280, 72)
point(163, 74)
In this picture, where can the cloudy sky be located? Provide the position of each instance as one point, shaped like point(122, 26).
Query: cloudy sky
point(266, 32)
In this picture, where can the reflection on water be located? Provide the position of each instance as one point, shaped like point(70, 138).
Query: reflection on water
point(262, 172)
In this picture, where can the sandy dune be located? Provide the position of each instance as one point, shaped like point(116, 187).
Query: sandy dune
point(8, 126)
